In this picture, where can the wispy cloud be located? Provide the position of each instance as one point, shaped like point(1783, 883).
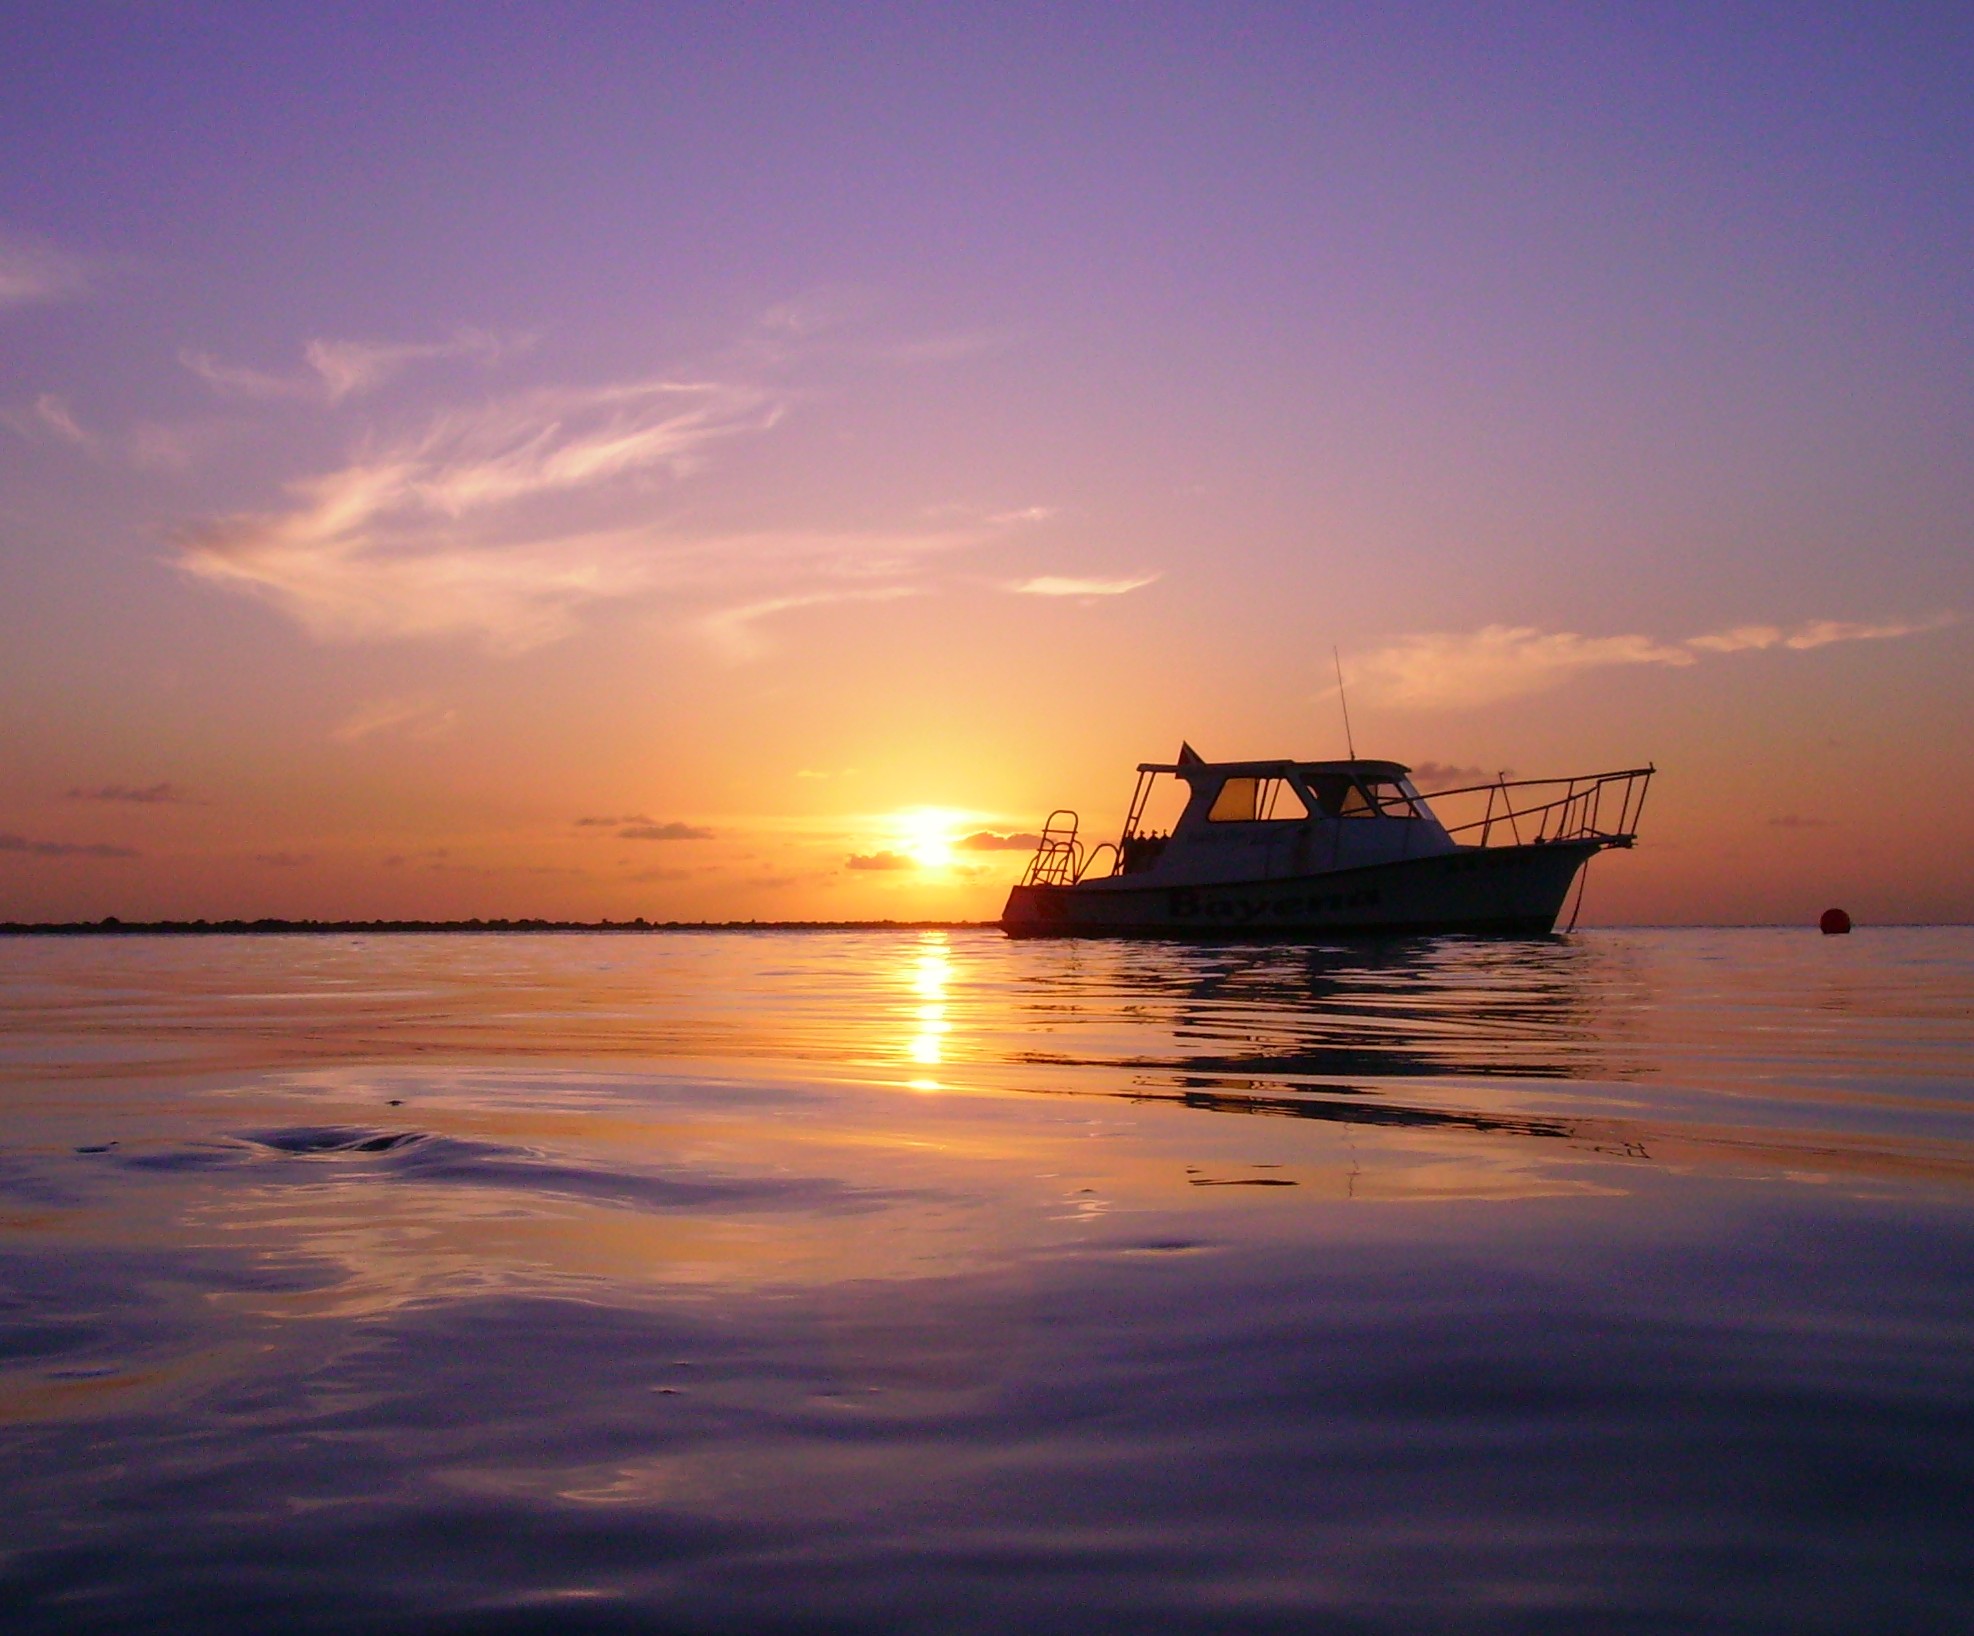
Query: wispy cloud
point(457, 531)
point(148, 445)
point(335, 370)
point(1502, 662)
point(946, 349)
point(735, 631)
point(237, 380)
point(1498, 662)
point(507, 521)
point(347, 368)
point(1816, 633)
point(49, 416)
point(419, 718)
point(33, 270)
point(143, 795)
point(880, 860)
point(65, 849)
point(1059, 585)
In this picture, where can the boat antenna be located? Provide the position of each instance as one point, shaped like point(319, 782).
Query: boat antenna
point(1349, 743)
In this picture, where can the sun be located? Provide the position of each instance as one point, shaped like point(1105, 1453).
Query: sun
point(925, 834)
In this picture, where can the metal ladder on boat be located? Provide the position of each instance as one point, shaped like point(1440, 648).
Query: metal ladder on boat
point(1058, 856)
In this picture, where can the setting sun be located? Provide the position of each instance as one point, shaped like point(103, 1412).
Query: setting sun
point(927, 836)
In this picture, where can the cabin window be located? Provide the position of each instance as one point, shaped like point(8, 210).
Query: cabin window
point(1391, 799)
point(1256, 800)
point(1339, 796)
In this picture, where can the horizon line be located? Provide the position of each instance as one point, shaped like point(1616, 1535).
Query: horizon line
point(112, 926)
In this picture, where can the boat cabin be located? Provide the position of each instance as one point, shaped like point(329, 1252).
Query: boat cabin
point(1263, 820)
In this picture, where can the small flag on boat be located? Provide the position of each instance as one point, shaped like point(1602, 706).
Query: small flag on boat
point(1189, 757)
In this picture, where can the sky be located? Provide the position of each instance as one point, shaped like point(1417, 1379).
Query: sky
point(593, 461)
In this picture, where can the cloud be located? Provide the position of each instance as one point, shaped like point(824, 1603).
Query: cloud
point(1056, 585)
point(145, 795)
point(987, 841)
point(1500, 662)
point(65, 849)
point(1816, 633)
point(840, 319)
point(418, 718)
point(149, 445)
point(49, 416)
point(347, 368)
point(814, 312)
point(506, 522)
point(665, 832)
point(33, 270)
point(236, 380)
point(946, 349)
point(466, 529)
point(1497, 662)
point(342, 369)
point(880, 860)
point(637, 827)
point(56, 415)
point(733, 629)
point(1740, 639)
point(1429, 776)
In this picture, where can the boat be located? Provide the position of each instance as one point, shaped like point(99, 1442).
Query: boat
point(1292, 850)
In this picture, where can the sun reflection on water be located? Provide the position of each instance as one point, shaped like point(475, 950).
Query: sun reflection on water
point(932, 971)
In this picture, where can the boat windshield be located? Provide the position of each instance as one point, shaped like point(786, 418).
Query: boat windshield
point(1256, 800)
point(1391, 798)
point(1338, 795)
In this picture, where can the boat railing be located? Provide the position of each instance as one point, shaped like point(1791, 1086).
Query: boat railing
point(1600, 807)
point(1058, 859)
point(1090, 864)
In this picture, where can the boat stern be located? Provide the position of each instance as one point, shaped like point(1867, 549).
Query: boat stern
point(1033, 911)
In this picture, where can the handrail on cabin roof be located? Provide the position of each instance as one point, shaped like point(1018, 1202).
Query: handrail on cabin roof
point(1274, 769)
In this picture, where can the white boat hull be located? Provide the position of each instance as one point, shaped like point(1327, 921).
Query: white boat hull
point(1511, 890)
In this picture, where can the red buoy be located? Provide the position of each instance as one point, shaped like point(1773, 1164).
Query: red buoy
point(1834, 921)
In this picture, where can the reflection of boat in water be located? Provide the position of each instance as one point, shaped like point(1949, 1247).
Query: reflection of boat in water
point(1248, 1013)
point(1293, 849)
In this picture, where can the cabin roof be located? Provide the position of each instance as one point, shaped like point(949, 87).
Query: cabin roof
point(1190, 770)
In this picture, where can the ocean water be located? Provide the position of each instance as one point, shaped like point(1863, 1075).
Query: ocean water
point(932, 1282)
